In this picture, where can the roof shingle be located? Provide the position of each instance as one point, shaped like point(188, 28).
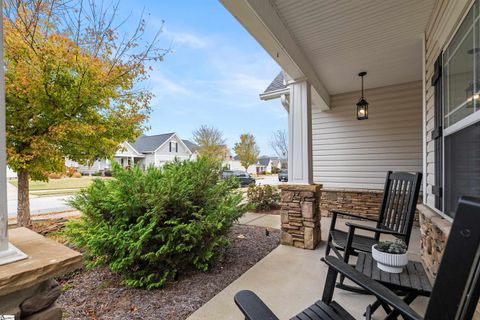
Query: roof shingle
point(190, 145)
point(276, 84)
point(146, 144)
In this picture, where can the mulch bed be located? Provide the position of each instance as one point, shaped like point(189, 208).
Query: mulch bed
point(98, 293)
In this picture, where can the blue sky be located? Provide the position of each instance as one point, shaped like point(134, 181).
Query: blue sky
point(213, 76)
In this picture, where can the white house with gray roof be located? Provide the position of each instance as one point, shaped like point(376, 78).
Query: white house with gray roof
point(145, 151)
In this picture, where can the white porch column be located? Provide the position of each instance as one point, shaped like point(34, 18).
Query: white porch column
point(8, 253)
point(300, 134)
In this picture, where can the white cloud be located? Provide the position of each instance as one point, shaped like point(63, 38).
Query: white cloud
point(165, 86)
point(190, 40)
point(186, 38)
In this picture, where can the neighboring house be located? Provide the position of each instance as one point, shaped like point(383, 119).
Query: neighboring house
point(422, 61)
point(11, 174)
point(145, 151)
point(234, 164)
point(193, 148)
point(264, 165)
point(267, 164)
point(161, 148)
point(227, 155)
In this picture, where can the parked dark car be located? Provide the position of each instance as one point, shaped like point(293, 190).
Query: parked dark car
point(283, 175)
point(227, 174)
point(244, 178)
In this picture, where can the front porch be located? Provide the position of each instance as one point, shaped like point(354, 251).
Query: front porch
point(421, 61)
point(289, 279)
point(321, 47)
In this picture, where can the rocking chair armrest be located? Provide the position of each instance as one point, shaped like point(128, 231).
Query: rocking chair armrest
point(353, 226)
point(252, 307)
point(335, 212)
point(375, 288)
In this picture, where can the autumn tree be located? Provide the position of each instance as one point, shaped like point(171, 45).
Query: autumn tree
point(279, 143)
point(247, 150)
point(211, 142)
point(71, 85)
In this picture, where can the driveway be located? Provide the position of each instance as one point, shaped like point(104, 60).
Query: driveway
point(270, 179)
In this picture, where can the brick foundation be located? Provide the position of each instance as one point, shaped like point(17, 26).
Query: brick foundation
point(300, 215)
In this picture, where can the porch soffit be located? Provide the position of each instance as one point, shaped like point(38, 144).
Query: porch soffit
point(331, 41)
point(341, 38)
point(262, 21)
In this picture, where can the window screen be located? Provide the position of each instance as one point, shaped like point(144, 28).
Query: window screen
point(462, 166)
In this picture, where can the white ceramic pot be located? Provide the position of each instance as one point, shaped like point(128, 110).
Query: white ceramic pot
point(389, 262)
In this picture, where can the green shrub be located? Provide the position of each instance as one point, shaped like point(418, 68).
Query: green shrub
point(151, 225)
point(264, 197)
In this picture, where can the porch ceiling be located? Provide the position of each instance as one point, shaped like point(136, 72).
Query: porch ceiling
point(340, 38)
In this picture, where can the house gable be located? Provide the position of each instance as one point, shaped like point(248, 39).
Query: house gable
point(165, 146)
point(125, 149)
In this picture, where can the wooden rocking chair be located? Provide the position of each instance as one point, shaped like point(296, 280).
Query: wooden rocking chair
point(455, 293)
point(396, 218)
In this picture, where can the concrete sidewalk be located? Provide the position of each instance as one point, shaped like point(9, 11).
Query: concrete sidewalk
point(39, 205)
point(289, 280)
point(12, 192)
point(261, 220)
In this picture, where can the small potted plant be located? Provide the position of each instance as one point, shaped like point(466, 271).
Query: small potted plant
point(391, 256)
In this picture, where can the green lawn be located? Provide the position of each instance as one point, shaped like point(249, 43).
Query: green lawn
point(59, 184)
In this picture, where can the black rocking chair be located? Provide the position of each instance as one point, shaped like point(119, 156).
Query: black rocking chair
point(396, 218)
point(455, 293)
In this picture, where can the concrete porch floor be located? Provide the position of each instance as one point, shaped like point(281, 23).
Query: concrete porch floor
point(290, 279)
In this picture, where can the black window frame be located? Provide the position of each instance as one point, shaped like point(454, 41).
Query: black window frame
point(437, 133)
point(445, 193)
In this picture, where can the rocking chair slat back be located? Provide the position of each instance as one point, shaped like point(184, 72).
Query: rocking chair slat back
point(457, 288)
point(399, 202)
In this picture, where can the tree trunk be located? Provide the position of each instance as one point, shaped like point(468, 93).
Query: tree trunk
point(23, 208)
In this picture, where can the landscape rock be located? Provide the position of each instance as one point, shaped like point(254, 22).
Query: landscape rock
point(54, 312)
point(48, 292)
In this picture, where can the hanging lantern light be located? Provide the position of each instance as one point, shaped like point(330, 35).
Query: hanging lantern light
point(362, 104)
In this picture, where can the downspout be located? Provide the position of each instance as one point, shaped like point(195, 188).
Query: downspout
point(285, 99)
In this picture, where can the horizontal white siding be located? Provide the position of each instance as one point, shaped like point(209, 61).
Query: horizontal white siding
point(348, 153)
point(149, 160)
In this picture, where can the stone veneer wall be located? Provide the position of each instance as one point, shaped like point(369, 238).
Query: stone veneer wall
point(300, 215)
point(362, 201)
point(434, 233)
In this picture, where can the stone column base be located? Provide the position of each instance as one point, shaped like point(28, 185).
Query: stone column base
point(300, 215)
point(27, 288)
